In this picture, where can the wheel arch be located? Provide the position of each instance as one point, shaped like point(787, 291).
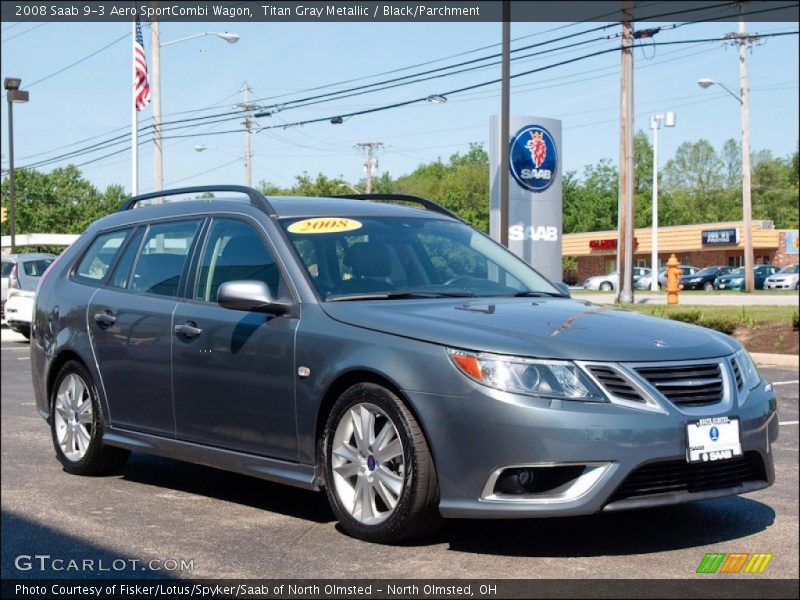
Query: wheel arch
point(55, 367)
point(338, 386)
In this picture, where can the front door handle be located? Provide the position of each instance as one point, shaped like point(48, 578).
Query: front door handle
point(105, 319)
point(188, 330)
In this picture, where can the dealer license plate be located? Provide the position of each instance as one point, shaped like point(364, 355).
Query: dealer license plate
point(712, 439)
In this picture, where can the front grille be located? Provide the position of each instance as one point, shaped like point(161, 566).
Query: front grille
point(737, 373)
point(687, 385)
point(680, 476)
point(615, 383)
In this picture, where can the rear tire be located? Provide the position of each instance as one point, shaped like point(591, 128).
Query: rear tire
point(708, 286)
point(382, 486)
point(77, 425)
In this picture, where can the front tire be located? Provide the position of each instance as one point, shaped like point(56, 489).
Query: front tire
point(709, 287)
point(77, 425)
point(380, 478)
point(606, 286)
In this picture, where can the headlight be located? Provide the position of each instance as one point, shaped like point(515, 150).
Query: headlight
point(695, 280)
point(544, 378)
point(751, 377)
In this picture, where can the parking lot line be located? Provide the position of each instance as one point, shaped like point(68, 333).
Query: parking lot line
point(785, 382)
point(788, 422)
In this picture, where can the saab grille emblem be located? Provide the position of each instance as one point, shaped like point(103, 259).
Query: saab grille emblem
point(533, 158)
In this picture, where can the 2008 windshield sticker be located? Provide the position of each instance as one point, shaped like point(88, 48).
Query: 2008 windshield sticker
point(324, 225)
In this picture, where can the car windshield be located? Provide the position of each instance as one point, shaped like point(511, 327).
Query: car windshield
point(396, 258)
point(790, 269)
point(739, 271)
point(708, 271)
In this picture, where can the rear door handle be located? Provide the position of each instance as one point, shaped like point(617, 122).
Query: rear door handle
point(105, 319)
point(188, 330)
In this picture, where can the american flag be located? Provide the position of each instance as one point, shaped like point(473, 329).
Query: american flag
point(141, 88)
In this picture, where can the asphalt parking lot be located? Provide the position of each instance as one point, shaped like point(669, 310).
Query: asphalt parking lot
point(237, 527)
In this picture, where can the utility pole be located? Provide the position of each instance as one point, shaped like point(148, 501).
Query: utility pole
point(505, 107)
point(248, 135)
point(743, 41)
point(625, 206)
point(155, 100)
point(370, 160)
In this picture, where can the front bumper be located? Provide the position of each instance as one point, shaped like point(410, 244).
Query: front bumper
point(780, 285)
point(473, 437)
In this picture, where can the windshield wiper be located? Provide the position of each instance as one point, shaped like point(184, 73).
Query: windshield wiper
point(532, 294)
point(397, 296)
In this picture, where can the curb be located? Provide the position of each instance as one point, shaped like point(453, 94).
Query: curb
point(763, 359)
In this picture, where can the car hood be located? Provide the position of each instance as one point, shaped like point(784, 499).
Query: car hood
point(729, 277)
point(536, 327)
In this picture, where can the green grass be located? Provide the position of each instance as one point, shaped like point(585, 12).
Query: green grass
point(750, 316)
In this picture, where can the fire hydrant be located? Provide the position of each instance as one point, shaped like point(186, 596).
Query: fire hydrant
point(673, 279)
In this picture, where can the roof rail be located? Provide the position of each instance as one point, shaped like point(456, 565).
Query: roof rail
point(428, 204)
point(257, 199)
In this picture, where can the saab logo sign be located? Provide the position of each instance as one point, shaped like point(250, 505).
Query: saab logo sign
point(533, 158)
point(540, 233)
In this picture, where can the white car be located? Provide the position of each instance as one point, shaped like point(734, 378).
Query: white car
point(788, 278)
point(609, 282)
point(19, 311)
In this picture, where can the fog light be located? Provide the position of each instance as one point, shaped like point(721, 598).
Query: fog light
point(525, 478)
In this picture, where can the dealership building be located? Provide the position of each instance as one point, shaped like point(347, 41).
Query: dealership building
point(703, 245)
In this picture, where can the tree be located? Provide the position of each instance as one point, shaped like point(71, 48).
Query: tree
point(60, 201)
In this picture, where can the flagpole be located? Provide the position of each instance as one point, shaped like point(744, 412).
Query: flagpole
point(134, 117)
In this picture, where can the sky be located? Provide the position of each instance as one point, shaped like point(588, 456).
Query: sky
point(93, 98)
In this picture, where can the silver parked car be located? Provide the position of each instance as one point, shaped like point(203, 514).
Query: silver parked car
point(788, 278)
point(391, 356)
point(21, 273)
point(606, 283)
point(643, 283)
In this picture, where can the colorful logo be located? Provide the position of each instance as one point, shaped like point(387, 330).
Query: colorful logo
point(713, 433)
point(734, 562)
point(533, 158)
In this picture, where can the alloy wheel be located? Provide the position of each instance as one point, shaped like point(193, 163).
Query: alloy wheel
point(368, 463)
point(74, 417)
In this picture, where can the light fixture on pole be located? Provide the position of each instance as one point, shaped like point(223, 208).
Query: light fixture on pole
point(14, 96)
point(155, 68)
point(247, 173)
point(655, 124)
point(436, 99)
point(747, 216)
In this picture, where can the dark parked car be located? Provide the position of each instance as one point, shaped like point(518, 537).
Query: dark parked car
point(735, 279)
point(703, 279)
point(394, 357)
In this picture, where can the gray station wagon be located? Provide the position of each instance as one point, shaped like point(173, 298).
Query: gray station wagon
point(379, 348)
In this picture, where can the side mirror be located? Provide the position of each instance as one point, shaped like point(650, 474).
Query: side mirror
point(252, 296)
point(563, 287)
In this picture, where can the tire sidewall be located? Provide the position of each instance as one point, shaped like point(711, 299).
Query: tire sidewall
point(95, 441)
point(388, 403)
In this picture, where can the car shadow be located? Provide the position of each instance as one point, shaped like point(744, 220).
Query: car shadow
point(32, 550)
point(629, 532)
point(640, 531)
point(227, 486)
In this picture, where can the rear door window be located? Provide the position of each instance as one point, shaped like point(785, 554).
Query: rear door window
point(122, 272)
point(100, 256)
point(35, 268)
point(163, 256)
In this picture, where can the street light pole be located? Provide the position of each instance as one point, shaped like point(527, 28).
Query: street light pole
point(155, 99)
point(14, 94)
point(655, 125)
point(155, 91)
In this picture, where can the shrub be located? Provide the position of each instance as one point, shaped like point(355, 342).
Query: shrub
point(720, 323)
point(795, 324)
point(685, 316)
